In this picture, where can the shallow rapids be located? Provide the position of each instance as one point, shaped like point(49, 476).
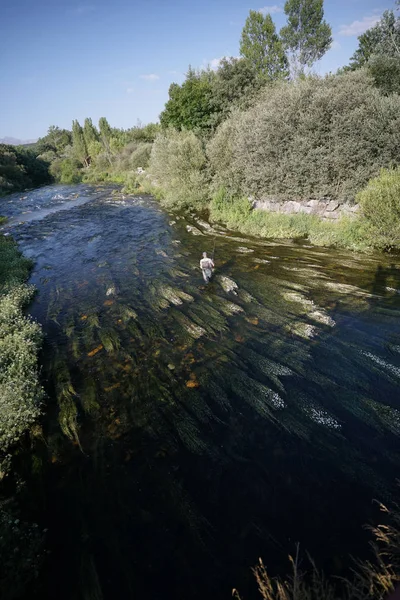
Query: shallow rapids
point(191, 429)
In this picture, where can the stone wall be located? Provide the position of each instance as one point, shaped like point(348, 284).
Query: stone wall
point(323, 208)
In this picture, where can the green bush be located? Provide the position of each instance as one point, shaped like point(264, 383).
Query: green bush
point(178, 164)
point(318, 137)
point(380, 205)
point(20, 338)
point(141, 156)
point(70, 171)
point(20, 392)
point(20, 169)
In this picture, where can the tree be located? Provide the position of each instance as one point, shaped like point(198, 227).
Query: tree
point(79, 144)
point(189, 105)
point(234, 86)
point(90, 132)
point(386, 72)
point(307, 36)
point(105, 136)
point(55, 141)
point(383, 38)
point(379, 51)
point(261, 46)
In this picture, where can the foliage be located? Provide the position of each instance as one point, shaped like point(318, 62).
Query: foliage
point(234, 85)
point(20, 169)
point(55, 141)
point(306, 36)
point(142, 133)
point(20, 338)
point(379, 51)
point(20, 392)
point(178, 163)
point(70, 171)
point(79, 144)
point(380, 204)
point(236, 214)
point(189, 105)
point(220, 153)
point(90, 133)
point(382, 39)
point(261, 47)
point(309, 139)
point(386, 72)
point(105, 137)
point(21, 551)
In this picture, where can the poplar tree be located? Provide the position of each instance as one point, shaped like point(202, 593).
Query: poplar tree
point(307, 36)
point(261, 46)
point(105, 137)
point(90, 132)
point(79, 144)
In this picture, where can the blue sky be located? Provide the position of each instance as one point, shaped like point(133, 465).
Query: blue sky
point(69, 59)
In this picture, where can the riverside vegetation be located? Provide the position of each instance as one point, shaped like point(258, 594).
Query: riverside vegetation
point(261, 125)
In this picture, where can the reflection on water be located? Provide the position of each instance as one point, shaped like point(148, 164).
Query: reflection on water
point(199, 427)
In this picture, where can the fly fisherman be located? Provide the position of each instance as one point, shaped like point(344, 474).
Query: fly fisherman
point(206, 266)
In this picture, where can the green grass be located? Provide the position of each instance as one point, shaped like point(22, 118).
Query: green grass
point(237, 214)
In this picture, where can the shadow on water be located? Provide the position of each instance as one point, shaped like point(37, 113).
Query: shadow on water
point(191, 428)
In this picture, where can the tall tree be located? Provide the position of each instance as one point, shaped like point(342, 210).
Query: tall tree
point(90, 132)
point(262, 47)
point(307, 36)
point(189, 105)
point(234, 85)
point(79, 144)
point(105, 137)
point(382, 39)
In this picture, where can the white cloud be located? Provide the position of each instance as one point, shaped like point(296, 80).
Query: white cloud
point(150, 77)
point(130, 90)
point(215, 62)
point(335, 45)
point(272, 10)
point(356, 28)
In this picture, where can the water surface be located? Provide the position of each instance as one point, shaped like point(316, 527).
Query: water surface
point(191, 429)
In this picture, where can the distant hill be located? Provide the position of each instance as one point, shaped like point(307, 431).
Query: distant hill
point(15, 142)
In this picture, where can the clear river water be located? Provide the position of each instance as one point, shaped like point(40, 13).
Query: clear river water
point(191, 429)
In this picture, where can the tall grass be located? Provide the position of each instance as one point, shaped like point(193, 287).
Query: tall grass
point(373, 579)
point(237, 214)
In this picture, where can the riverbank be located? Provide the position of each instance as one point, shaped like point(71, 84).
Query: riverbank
point(21, 397)
point(348, 232)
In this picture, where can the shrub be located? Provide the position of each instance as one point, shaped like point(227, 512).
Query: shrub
point(20, 393)
point(317, 137)
point(178, 163)
point(140, 156)
point(380, 204)
point(221, 154)
point(20, 338)
point(20, 169)
point(70, 171)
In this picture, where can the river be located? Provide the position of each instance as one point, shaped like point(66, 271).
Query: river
point(192, 429)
